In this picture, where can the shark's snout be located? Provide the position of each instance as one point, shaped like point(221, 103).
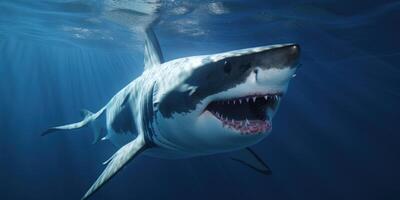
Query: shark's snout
point(275, 66)
point(280, 57)
point(293, 54)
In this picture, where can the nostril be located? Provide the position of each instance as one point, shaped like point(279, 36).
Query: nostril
point(227, 67)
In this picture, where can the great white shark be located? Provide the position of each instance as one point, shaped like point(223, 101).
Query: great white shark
point(192, 106)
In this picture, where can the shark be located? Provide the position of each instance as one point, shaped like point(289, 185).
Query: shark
point(193, 106)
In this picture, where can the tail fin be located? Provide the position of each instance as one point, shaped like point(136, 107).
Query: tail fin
point(88, 118)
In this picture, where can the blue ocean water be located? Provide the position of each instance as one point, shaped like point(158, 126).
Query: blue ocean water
point(334, 137)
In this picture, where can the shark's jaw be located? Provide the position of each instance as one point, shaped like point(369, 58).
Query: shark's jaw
point(246, 115)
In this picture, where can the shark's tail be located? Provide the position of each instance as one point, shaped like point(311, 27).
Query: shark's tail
point(89, 119)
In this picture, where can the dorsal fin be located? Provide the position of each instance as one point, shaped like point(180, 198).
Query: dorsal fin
point(152, 51)
point(138, 15)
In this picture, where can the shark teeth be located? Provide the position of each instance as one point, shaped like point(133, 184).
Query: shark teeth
point(250, 99)
point(246, 127)
point(247, 115)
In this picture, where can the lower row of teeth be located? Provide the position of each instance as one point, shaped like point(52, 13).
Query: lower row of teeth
point(246, 127)
point(233, 121)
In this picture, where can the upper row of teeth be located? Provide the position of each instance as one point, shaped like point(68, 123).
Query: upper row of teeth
point(249, 99)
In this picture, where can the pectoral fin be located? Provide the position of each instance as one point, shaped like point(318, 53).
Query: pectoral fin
point(117, 161)
point(249, 158)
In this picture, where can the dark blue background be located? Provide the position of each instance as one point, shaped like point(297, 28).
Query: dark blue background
point(335, 136)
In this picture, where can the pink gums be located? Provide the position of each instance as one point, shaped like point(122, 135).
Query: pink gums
point(250, 127)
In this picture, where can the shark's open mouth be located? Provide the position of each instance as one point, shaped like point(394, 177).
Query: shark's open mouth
point(248, 115)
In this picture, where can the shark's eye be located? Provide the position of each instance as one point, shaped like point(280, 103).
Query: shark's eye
point(227, 67)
